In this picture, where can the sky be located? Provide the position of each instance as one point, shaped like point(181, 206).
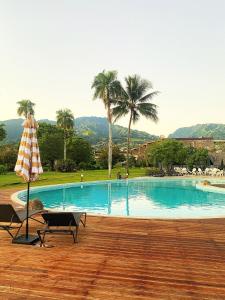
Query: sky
point(51, 50)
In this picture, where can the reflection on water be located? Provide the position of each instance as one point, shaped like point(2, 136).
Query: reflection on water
point(168, 198)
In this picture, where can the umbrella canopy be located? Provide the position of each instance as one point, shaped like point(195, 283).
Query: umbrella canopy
point(28, 163)
point(28, 166)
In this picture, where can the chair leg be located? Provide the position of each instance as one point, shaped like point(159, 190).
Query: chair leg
point(36, 220)
point(75, 237)
point(42, 239)
point(15, 236)
point(84, 221)
point(8, 230)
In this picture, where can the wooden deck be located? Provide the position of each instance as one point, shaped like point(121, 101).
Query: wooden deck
point(119, 258)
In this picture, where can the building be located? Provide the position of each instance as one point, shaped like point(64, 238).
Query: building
point(216, 148)
point(202, 142)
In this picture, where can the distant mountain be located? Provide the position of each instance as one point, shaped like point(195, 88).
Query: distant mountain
point(216, 131)
point(13, 129)
point(93, 129)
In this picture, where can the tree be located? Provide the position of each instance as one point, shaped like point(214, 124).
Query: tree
point(166, 153)
point(79, 151)
point(107, 88)
point(25, 107)
point(65, 120)
point(50, 139)
point(2, 132)
point(197, 157)
point(8, 156)
point(134, 100)
point(117, 156)
point(48, 129)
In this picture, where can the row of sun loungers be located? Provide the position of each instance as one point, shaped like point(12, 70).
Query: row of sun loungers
point(54, 222)
point(199, 171)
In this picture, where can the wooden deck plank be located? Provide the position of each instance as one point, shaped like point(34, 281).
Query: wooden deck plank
point(119, 258)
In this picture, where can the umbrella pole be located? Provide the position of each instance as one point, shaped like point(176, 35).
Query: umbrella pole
point(28, 198)
point(26, 238)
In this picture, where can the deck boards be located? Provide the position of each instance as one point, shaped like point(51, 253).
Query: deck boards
point(119, 258)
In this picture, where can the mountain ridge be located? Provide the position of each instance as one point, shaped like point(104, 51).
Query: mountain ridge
point(94, 129)
point(214, 130)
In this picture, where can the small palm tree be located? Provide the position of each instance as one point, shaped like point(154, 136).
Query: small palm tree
point(25, 107)
point(134, 101)
point(65, 120)
point(107, 88)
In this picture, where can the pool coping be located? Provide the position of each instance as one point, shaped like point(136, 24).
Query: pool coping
point(200, 186)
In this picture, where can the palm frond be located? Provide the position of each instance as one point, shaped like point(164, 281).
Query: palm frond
point(148, 96)
point(149, 110)
point(65, 119)
point(106, 86)
point(25, 107)
point(135, 116)
point(136, 87)
point(122, 109)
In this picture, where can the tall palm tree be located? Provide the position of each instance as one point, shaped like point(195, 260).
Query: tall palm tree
point(65, 120)
point(107, 88)
point(134, 101)
point(25, 107)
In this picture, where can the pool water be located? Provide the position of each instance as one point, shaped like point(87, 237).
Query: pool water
point(156, 198)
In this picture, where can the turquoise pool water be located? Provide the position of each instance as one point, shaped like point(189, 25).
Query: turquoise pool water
point(155, 197)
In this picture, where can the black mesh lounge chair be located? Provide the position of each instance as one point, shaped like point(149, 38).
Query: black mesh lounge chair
point(11, 219)
point(69, 221)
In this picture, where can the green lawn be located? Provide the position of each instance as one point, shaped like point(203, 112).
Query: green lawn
point(10, 180)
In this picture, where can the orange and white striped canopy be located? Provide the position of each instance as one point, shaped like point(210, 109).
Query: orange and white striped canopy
point(28, 163)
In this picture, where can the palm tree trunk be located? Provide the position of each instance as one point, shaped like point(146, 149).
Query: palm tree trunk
point(64, 147)
point(110, 144)
point(128, 145)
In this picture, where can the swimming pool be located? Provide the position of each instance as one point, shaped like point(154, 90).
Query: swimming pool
point(150, 197)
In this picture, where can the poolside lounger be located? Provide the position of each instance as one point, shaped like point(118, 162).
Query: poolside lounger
point(14, 219)
point(69, 221)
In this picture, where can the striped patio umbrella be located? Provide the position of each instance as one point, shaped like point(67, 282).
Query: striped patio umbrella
point(28, 166)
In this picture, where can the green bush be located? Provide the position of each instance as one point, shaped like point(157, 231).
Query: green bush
point(67, 165)
point(154, 172)
point(117, 156)
point(3, 170)
point(8, 156)
point(141, 163)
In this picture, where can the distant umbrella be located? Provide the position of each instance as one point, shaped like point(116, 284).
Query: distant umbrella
point(28, 166)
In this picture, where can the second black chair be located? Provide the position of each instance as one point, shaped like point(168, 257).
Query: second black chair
point(68, 221)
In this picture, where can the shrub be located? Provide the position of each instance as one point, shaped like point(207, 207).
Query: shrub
point(80, 151)
point(154, 172)
point(67, 165)
point(117, 156)
point(8, 156)
point(3, 170)
point(82, 166)
point(140, 163)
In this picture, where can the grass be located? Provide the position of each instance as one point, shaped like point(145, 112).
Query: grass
point(10, 180)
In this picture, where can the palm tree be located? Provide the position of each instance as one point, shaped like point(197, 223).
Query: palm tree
point(134, 101)
point(107, 88)
point(65, 120)
point(25, 107)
